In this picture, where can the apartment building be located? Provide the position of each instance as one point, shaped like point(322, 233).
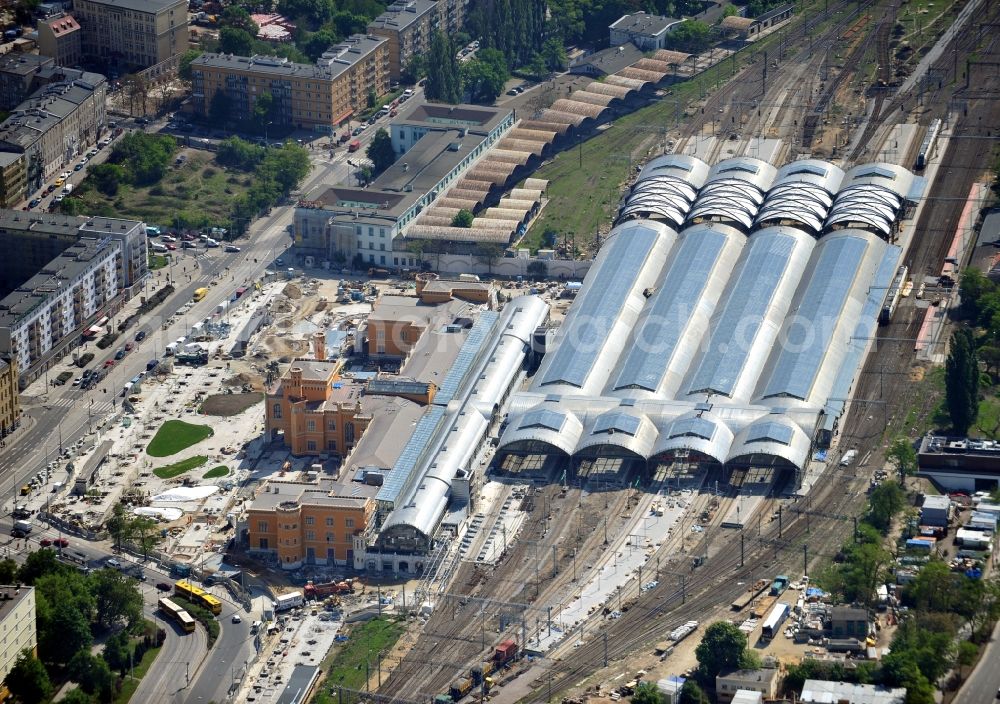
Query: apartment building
point(69, 271)
point(132, 34)
point(306, 523)
point(435, 145)
point(19, 76)
point(10, 398)
point(409, 25)
point(17, 628)
point(13, 179)
point(61, 38)
point(313, 409)
point(317, 96)
point(647, 32)
point(57, 123)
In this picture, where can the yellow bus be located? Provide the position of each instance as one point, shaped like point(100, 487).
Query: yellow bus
point(198, 596)
point(199, 294)
point(181, 617)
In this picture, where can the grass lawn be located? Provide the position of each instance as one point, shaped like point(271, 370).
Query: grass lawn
point(585, 184)
point(220, 471)
point(157, 261)
point(178, 468)
point(131, 682)
point(199, 187)
point(176, 435)
point(345, 665)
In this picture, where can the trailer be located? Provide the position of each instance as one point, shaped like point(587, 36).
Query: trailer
point(284, 602)
point(774, 621)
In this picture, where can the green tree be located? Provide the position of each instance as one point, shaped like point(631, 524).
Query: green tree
point(721, 649)
point(463, 218)
point(310, 12)
point(37, 564)
point(554, 54)
point(538, 269)
point(118, 522)
point(414, 70)
point(28, 681)
point(8, 571)
point(485, 76)
point(536, 68)
point(266, 112)
point(220, 108)
point(116, 652)
point(318, 42)
point(239, 154)
point(380, 151)
point(117, 598)
point(885, 502)
point(691, 693)
point(962, 381)
point(77, 696)
point(648, 693)
point(371, 98)
point(235, 41)
point(66, 633)
point(967, 654)
point(989, 355)
point(444, 81)
point(238, 18)
point(106, 178)
point(144, 157)
point(184, 67)
point(691, 36)
point(92, 674)
point(903, 457)
point(488, 253)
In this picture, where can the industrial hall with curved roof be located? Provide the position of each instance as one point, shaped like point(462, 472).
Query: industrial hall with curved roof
point(724, 319)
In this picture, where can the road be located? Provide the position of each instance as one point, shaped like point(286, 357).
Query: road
point(983, 685)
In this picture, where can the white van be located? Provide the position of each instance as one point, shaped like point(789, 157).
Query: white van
point(255, 627)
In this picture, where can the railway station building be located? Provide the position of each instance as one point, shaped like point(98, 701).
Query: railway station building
point(721, 325)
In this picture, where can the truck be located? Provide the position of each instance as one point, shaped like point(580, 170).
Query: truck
point(848, 458)
point(354, 146)
point(152, 364)
point(170, 349)
point(460, 688)
point(284, 602)
point(320, 591)
point(21, 529)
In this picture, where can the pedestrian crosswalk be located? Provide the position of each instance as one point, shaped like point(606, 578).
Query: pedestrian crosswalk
point(96, 409)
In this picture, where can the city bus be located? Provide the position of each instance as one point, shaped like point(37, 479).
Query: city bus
point(198, 596)
point(199, 294)
point(181, 617)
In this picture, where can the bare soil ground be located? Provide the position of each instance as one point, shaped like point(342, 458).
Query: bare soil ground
point(229, 404)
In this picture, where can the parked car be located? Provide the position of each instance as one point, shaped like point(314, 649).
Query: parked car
point(163, 586)
point(140, 336)
point(112, 562)
point(187, 245)
point(35, 202)
point(60, 542)
point(172, 247)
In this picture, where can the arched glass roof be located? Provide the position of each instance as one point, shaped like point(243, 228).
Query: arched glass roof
point(698, 430)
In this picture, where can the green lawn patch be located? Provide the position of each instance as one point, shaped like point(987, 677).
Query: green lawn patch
point(131, 681)
point(157, 261)
point(346, 664)
point(202, 615)
point(178, 468)
point(220, 471)
point(176, 435)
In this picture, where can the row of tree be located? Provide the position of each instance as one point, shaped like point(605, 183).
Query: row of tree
point(71, 608)
point(483, 78)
